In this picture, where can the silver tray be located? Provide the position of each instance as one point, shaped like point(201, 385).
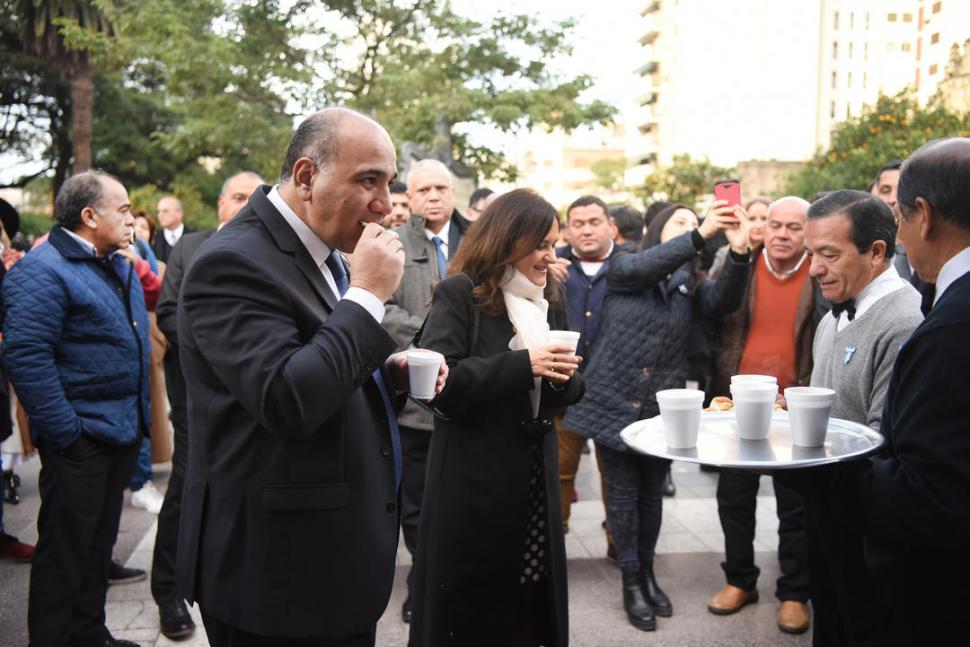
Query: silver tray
point(718, 443)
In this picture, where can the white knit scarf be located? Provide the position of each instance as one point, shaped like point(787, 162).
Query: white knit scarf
point(527, 310)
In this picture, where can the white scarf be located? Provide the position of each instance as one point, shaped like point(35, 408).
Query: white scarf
point(527, 310)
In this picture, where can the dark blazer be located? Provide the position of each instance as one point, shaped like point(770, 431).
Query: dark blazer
point(289, 520)
point(166, 313)
point(160, 245)
point(914, 499)
point(475, 509)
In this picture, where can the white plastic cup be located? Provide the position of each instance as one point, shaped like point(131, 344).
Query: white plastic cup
point(754, 403)
point(681, 413)
point(809, 408)
point(744, 379)
point(423, 367)
point(565, 337)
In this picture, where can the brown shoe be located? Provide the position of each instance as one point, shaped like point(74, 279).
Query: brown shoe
point(793, 617)
point(730, 600)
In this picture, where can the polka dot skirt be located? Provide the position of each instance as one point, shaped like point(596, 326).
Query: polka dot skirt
point(534, 557)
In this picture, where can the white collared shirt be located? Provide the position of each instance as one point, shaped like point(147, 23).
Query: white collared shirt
point(951, 271)
point(886, 283)
point(172, 235)
point(319, 252)
point(83, 242)
point(591, 268)
point(443, 235)
point(783, 275)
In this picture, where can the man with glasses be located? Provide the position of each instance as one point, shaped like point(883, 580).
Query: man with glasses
point(479, 199)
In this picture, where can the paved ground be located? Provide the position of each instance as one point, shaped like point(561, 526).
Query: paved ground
point(689, 553)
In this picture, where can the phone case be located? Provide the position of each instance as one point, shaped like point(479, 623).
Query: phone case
point(729, 190)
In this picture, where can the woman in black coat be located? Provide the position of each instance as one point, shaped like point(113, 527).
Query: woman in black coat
point(652, 298)
point(491, 564)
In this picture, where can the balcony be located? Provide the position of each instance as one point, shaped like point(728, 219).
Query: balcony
point(648, 99)
point(648, 126)
point(648, 68)
point(651, 7)
point(649, 37)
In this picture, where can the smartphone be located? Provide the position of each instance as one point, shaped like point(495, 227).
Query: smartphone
point(729, 190)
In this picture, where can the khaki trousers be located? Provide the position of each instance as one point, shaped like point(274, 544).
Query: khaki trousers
point(570, 451)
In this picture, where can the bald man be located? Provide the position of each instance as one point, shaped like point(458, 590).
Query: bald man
point(770, 334)
point(170, 217)
point(289, 525)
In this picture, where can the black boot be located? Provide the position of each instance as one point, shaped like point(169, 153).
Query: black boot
point(654, 594)
point(638, 610)
point(669, 488)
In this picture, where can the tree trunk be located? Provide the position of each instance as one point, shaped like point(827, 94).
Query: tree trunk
point(82, 112)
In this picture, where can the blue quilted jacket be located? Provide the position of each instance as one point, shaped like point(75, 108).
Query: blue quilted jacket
point(75, 344)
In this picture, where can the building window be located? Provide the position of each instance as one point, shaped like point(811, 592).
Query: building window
point(935, 38)
point(933, 69)
point(890, 47)
point(848, 111)
point(849, 81)
point(937, 6)
point(835, 20)
point(850, 51)
point(835, 80)
point(832, 111)
point(907, 17)
point(905, 47)
point(835, 49)
point(865, 80)
point(867, 21)
point(865, 51)
point(892, 17)
point(852, 20)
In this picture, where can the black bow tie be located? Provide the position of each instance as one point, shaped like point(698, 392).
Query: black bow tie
point(928, 292)
point(848, 307)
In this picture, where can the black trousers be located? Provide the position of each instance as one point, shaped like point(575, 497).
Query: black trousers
point(166, 539)
point(736, 502)
point(221, 634)
point(414, 453)
point(81, 491)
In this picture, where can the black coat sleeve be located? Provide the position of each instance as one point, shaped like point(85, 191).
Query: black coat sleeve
point(635, 272)
point(166, 312)
point(722, 296)
point(234, 314)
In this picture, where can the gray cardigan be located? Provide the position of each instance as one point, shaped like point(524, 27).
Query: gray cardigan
point(858, 361)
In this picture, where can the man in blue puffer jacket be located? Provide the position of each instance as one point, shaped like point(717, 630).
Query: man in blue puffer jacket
point(75, 346)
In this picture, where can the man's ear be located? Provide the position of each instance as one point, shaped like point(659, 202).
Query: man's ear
point(302, 179)
point(927, 219)
point(88, 219)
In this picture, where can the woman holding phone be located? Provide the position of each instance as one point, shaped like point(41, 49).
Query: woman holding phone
point(653, 296)
point(491, 563)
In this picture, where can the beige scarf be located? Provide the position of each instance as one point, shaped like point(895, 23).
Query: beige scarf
point(527, 310)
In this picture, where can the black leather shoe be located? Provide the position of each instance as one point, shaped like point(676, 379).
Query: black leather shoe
point(669, 488)
point(407, 611)
point(118, 642)
point(118, 574)
point(175, 621)
point(638, 610)
point(655, 595)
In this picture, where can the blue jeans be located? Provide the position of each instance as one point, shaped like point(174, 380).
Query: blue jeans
point(634, 504)
point(143, 468)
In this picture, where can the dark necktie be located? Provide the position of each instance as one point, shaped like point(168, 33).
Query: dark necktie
point(848, 307)
point(440, 254)
point(336, 267)
point(928, 293)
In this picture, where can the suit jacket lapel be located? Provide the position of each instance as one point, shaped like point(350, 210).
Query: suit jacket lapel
point(288, 241)
point(454, 237)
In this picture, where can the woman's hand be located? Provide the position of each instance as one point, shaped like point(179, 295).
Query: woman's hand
point(555, 362)
point(720, 217)
point(738, 236)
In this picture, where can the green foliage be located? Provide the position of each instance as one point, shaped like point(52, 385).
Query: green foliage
point(890, 129)
point(424, 72)
point(609, 173)
point(35, 224)
point(684, 180)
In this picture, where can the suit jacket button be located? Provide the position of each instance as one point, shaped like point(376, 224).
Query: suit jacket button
point(391, 507)
point(386, 450)
point(635, 404)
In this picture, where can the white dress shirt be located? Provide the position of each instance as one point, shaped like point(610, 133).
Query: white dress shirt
point(319, 251)
point(952, 270)
point(886, 283)
point(172, 235)
point(443, 235)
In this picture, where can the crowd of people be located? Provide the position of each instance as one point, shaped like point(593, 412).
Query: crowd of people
point(276, 348)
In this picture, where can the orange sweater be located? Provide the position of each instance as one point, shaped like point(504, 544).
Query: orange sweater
point(770, 346)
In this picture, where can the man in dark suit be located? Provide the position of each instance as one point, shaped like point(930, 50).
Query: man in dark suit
point(913, 500)
point(171, 229)
point(174, 618)
point(289, 523)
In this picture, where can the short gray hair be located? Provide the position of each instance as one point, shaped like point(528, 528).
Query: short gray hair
point(429, 163)
point(250, 174)
point(316, 138)
point(76, 194)
point(802, 202)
